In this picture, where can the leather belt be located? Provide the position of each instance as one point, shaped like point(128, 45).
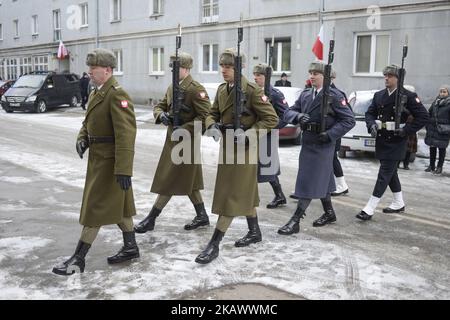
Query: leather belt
point(311, 127)
point(100, 139)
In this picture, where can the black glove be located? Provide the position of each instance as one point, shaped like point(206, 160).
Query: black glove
point(214, 131)
point(124, 182)
point(81, 147)
point(303, 118)
point(400, 132)
point(324, 137)
point(373, 130)
point(165, 118)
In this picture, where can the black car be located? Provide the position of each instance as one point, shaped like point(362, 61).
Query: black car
point(38, 91)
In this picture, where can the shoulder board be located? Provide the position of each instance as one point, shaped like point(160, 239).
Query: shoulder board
point(251, 84)
point(117, 87)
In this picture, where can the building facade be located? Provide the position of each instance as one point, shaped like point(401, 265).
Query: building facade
point(368, 35)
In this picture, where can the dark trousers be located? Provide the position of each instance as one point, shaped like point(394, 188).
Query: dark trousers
point(387, 176)
point(406, 160)
point(433, 151)
point(337, 168)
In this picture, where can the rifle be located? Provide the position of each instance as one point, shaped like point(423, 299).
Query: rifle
point(176, 93)
point(326, 89)
point(401, 99)
point(269, 70)
point(239, 96)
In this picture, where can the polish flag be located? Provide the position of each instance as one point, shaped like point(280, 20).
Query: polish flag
point(62, 51)
point(318, 45)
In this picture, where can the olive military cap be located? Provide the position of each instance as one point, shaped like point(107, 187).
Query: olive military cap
point(391, 69)
point(101, 57)
point(317, 67)
point(227, 57)
point(186, 60)
point(260, 68)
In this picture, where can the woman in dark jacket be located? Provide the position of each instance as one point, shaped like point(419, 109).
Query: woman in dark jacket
point(438, 129)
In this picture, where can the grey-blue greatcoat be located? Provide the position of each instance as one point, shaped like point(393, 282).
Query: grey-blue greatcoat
point(315, 178)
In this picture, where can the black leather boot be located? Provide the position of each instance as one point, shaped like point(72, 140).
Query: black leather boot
point(253, 235)
point(212, 250)
point(279, 199)
point(148, 224)
point(329, 215)
point(293, 225)
point(201, 219)
point(129, 250)
point(76, 262)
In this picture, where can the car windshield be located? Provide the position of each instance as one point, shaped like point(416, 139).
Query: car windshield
point(361, 104)
point(30, 81)
point(2, 83)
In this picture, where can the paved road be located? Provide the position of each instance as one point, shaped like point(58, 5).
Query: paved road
point(41, 179)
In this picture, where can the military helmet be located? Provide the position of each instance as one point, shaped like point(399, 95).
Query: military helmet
point(317, 67)
point(227, 57)
point(101, 57)
point(185, 58)
point(391, 69)
point(261, 68)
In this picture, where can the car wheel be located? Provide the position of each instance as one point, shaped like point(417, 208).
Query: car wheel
point(9, 110)
point(342, 153)
point(41, 107)
point(74, 101)
point(298, 140)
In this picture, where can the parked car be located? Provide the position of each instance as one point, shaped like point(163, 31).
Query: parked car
point(5, 85)
point(38, 91)
point(358, 138)
point(291, 132)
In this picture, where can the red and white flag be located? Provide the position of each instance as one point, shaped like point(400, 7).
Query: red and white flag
point(318, 45)
point(62, 51)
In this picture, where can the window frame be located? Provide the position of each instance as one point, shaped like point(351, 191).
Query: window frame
point(160, 8)
point(84, 7)
point(278, 45)
point(34, 25)
point(118, 71)
point(211, 18)
point(373, 51)
point(113, 19)
point(1, 31)
point(151, 69)
point(16, 28)
point(57, 25)
point(39, 65)
point(211, 57)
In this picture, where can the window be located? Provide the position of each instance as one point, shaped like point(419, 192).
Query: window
point(25, 65)
point(156, 61)
point(41, 63)
point(281, 60)
point(2, 70)
point(11, 69)
point(118, 70)
point(84, 14)
point(1, 31)
point(116, 10)
point(371, 53)
point(158, 7)
point(34, 25)
point(16, 28)
point(56, 25)
point(209, 58)
point(210, 11)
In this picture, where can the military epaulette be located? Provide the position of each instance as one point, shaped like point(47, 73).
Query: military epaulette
point(117, 87)
point(222, 85)
point(252, 84)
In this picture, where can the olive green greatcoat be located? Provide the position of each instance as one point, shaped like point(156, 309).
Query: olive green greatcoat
point(110, 112)
point(236, 189)
point(184, 178)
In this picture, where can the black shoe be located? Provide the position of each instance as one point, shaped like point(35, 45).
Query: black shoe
point(363, 216)
point(293, 225)
point(389, 210)
point(76, 263)
point(326, 218)
point(253, 235)
point(429, 169)
point(148, 224)
point(335, 194)
point(438, 170)
point(129, 250)
point(406, 167)
point(279, 199)
point(212, 249)
point(201, 219)
point(293, 196)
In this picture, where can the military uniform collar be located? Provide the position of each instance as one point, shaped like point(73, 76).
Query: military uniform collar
point(390, 92)
point(184, 84)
